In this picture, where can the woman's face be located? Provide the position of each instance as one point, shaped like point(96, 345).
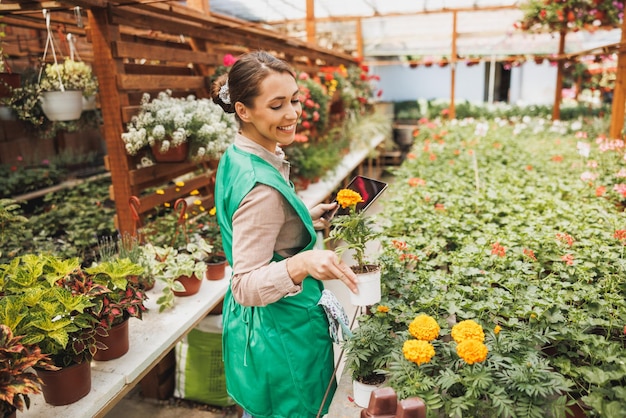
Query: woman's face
point(275, 112)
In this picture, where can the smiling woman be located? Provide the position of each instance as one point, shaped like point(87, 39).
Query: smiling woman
point(268, 236)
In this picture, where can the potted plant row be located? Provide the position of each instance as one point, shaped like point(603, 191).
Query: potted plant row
point(63, 308)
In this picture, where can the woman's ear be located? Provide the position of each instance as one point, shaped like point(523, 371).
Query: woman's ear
point(242, 111)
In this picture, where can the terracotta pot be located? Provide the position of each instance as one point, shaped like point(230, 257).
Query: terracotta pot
point(191, 283)
point(172, 155)
point(369, 288)
point(67, 385)
point(116, 341)
point(216, 271)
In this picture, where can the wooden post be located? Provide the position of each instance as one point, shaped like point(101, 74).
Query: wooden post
point(556, 109)
point(617, 108)
point(453, 61)
point(359, 38)
point(106, 69)
point(310, 21)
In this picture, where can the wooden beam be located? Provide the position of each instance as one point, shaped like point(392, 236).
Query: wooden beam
point(310, 21)
point(162, 53)
point(452, 114)
point(556, 109)
point(106, 69)
point(160, 82)
point(619, 93)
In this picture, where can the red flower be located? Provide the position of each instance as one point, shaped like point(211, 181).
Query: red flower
point(600, 191)
point(569, 259)
point(497, 249)
point(399, 245)
point(415, 181)
point(530, 254)
point(565, 238)
point(620, 234)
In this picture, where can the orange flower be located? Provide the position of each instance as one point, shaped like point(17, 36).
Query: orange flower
point(497, 249)
point(467, 330)
point(382, 308)
point(347, 198)
point(415, 181)
point(424, 328)
point(472, 351)
point(530, 254)
point(417, 351)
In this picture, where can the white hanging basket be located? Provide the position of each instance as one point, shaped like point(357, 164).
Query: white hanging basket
point(62, 105)
point(369, 288)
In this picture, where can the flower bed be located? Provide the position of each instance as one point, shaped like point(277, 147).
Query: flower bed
point(518, 226)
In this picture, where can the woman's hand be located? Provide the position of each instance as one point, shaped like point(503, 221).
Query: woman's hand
point(321, 265)
point(316, 214)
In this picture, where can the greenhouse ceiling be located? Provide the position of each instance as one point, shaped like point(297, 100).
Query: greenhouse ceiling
point(396, 29)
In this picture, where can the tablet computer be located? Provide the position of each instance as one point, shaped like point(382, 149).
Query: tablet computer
point(368, 188)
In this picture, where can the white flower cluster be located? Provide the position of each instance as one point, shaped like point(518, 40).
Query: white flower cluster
point(169, 122)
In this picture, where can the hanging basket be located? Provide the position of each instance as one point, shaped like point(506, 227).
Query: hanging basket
point(62, 105)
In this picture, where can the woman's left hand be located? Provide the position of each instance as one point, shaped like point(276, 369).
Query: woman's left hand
point(317, 212)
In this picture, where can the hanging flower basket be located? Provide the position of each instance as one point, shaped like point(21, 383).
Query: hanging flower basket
point(172, 155)
point(62, 105)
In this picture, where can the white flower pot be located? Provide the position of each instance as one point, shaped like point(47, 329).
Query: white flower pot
point(369, 289)
point(362, 393)
point(62, 105)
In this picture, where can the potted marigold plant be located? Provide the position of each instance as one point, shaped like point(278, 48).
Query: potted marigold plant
point(175, 129)
point(355, 230)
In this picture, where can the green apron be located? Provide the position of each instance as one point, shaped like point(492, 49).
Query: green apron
point(278, 358)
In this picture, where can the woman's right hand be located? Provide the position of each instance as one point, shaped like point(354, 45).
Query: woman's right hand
point(321, 265)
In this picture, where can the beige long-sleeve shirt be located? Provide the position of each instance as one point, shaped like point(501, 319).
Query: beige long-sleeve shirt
point(263, 224)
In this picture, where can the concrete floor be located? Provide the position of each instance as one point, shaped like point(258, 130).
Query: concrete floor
point(135, 405)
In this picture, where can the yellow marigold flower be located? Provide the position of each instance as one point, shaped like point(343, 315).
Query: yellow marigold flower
point(160, 191)
point(497, 329)
point(417, 351)
point(467, 330)
point(382, 308)
point(213, 211)
point(424, 328)
point(472, 351)
point(180, 183)
point(197, 202)
point(347, 198)
point(194, 192)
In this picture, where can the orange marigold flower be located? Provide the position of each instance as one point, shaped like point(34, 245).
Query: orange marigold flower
point(347, 198)
point(416, 181)
point(424, 328)
point(472, 351)
point(382, 308)
point(497, 329)
point(418, 351)
point(467, 330)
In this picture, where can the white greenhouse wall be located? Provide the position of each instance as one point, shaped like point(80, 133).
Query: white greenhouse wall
point(530, 83)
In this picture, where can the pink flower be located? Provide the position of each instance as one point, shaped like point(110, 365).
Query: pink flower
point(303, 76)
point(229, 60)
point(620, 188)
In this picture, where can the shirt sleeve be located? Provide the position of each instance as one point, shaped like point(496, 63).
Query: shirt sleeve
point(257, 223)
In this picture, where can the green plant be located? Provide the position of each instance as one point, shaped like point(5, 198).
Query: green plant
point(12, 226)
point(167, 264)
point(353, 228)
point(50, 302)
point(168, 122)
point(17, 379)
point(125, 299)
point(367, 350)
point(210, 237)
